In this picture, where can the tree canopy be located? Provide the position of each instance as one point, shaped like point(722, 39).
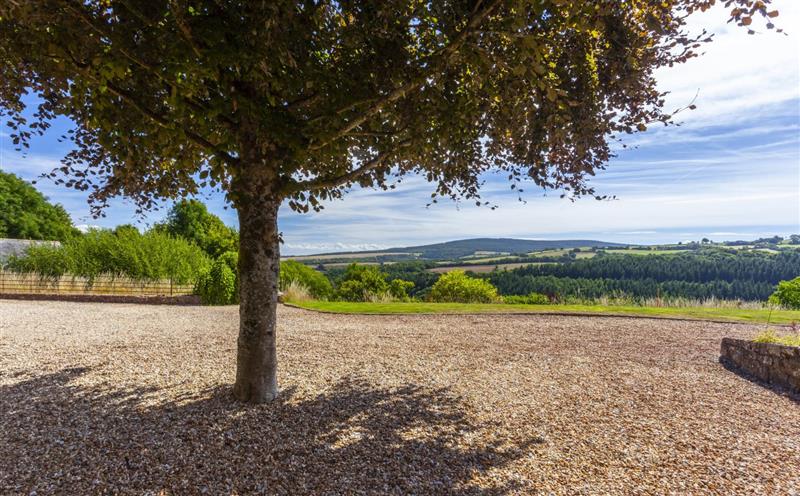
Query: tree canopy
point(191, 220)
point(25, 213)
point(317, 95)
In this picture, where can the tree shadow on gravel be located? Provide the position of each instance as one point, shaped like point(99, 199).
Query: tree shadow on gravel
point(59, 436)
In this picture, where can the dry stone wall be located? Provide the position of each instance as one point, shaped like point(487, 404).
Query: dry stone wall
point(772, 363)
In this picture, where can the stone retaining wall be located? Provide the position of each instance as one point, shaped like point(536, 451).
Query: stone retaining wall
point(772, 363)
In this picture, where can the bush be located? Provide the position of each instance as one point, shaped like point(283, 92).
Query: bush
point(218, 285)
point(125, 252)
point(368, 283)
point(787, 294)
point(456, 287)
point(318, 286)
point(769, 336)
point(529, 299)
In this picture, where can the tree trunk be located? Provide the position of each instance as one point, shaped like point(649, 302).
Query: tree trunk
point(259, 263)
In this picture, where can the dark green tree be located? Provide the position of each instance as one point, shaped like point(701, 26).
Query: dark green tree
point(296, 101)
point(190, 219)
point(27, 214)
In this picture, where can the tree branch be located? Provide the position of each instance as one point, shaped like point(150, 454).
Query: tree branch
point(443, 56)
point(349, 177)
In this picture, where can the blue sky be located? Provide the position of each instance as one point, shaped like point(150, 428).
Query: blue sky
point(730, 171)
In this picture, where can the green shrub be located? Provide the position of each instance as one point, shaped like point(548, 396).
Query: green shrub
point(456, 287)
point(124, 252)
point(315, 282)
point(368, 283)
point(400, 288)
point(529, 299)
point(787, 294)
point(769, 336)
point(218, 285)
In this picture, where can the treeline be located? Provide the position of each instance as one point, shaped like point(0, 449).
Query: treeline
point(561, 288)
point(700, 275)
point(703, 267)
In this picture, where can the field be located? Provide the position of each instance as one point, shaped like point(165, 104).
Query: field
point(481, 268)
point(762, 315)
point(338, 256)
point(135, 399)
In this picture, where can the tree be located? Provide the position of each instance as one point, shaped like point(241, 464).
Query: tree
point(190, 219)
point(296, 101)
point(26, 214)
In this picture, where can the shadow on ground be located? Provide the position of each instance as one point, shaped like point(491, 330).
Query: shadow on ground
point(61, 436)
point(775, 388)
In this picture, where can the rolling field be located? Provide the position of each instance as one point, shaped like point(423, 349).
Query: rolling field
point(132, 399)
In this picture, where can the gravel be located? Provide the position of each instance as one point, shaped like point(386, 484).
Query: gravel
point(135, 399)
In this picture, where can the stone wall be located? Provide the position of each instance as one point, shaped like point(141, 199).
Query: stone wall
point(772, 363)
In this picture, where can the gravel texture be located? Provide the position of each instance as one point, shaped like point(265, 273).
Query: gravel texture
point(134, 399)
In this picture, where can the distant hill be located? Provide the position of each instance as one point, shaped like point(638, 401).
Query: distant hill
point(465, 247)
point(462, 248)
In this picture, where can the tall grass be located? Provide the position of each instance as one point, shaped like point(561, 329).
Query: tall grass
point(672, 302)
point(296, 292)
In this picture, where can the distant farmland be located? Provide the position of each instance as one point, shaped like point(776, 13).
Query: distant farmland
point(484, 268)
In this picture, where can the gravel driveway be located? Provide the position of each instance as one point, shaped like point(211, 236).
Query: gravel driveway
point(112, 398)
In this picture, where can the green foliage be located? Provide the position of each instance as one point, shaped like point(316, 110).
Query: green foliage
point(787, 294)
point(313, 281)
point(167, 99)
point(399, 289)
point(528, 299)
point(456, 287)
point(191, 220)
point(703, 274)
point(126, 252)
point(415, 272)
point(26, 214)
point(769, 336)
point(218, 286)
point(368, 283)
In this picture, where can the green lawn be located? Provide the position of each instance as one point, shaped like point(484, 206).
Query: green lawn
point(726, 314)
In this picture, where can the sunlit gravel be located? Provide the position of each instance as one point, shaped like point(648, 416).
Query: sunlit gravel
point(136, 399)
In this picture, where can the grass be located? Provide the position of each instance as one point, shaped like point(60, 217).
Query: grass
point(700, 313)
